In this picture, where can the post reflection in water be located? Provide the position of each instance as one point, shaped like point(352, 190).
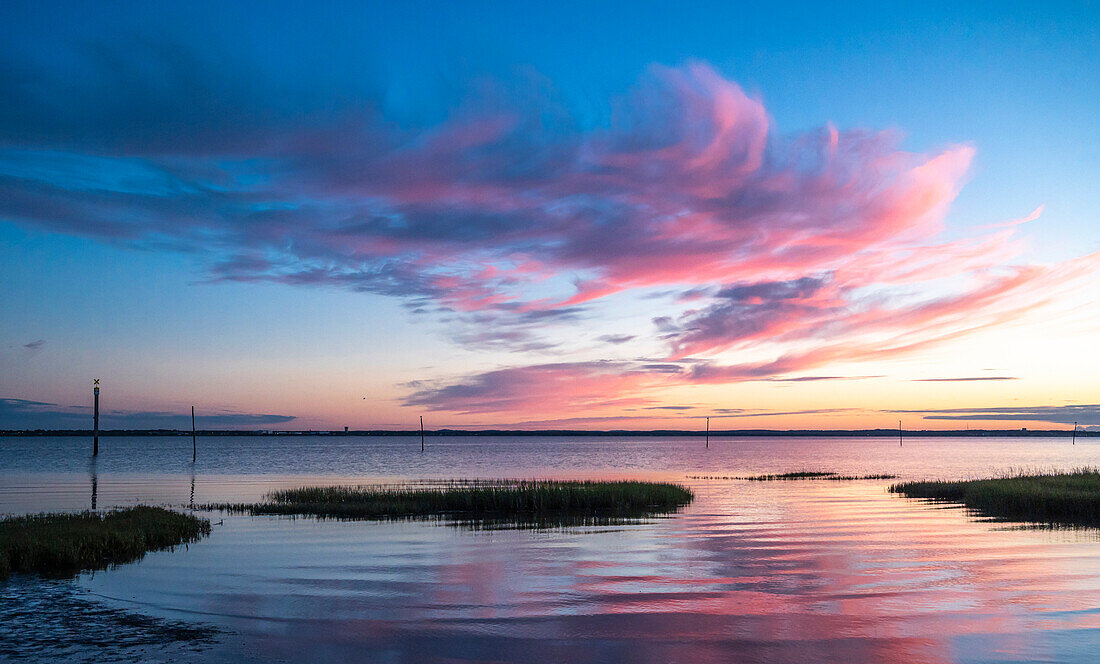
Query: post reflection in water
point(94, 473)
point(814, 571)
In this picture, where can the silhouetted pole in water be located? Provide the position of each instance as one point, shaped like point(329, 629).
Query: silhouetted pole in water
point(708, 433)
point(194, 446)
point(421, 433)
point(95, 485)
point(900, 444)
point(1074, 441)
point(95, 418)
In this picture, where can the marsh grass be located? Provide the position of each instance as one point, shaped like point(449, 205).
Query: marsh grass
point(537, 503)
point(799, 475)
point(1071, 498)
point(64, 544)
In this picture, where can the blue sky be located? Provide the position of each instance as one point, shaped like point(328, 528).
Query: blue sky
point(180, 180)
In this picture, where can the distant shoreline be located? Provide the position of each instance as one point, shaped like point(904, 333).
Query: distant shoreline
point(731, 433)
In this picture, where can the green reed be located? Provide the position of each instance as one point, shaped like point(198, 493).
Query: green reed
point(509, 500)
point(64, 544)
point(799, 475)
point(1071, 498)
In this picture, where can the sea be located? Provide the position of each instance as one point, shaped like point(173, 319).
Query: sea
point(750, 571)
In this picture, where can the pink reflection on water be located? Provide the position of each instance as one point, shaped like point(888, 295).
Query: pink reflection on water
point(811, 571)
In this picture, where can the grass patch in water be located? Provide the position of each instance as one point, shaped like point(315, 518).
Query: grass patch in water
point(798, 475)
point(1071, 498)
point(539, 502)
point(65, 544)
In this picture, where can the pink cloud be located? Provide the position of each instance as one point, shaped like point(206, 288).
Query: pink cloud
point(829, 243)
point(689, 185)
point(556, 387)
point(872, 335)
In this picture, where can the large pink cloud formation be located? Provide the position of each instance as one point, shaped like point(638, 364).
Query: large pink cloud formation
point(819, 247)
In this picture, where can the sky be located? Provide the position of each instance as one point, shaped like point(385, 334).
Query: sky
point(559, 215)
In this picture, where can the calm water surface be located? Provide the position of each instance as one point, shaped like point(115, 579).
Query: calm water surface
point(806, 571)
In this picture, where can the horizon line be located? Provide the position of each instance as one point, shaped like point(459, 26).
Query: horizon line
point(447, 431)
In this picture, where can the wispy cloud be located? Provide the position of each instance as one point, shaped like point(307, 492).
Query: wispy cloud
point(558, 387)
point(739, 412)
point(512, 221)
point(964, 379)
point(28, 414)
point(814, 379)
point(616, 339)
point(1081, 413)
point(36, 345)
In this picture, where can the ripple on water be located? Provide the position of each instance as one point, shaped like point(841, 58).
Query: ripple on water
point(46, 620)
point(750, 572)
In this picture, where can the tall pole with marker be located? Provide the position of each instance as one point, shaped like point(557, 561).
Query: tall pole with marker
point(194, 447)
point(708, 433)
point(95, 417)
point(421, 433)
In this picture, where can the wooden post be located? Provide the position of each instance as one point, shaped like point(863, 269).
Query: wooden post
point(95, 418)
point(900, 443)
point(194, 446)
point(708, 433)
point(421, 433)
point(1074, 441)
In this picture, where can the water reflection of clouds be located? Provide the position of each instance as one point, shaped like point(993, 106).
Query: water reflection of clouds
point(752, 571)
point(841, 573)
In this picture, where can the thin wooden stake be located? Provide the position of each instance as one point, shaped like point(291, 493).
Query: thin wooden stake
point(421, 433)
point(708, 433)
point(1074, 441)
point(95, 420)
point(194, 446)
point(900, 443)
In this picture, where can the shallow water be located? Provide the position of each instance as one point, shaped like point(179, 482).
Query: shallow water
point(751, 571)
